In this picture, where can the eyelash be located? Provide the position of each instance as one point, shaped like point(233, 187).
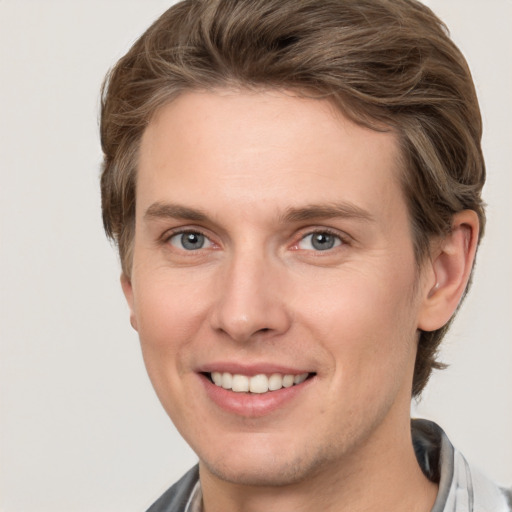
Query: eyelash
point(169, 236)
point(309, 232)
point(322, 231)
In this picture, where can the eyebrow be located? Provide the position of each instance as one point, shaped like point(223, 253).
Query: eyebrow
point(327, 211)
point(161, 210)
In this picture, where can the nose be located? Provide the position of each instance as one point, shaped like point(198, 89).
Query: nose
point(250, 302)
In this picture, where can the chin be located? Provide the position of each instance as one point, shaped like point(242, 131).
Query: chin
point(256, 475)
point(266, 469)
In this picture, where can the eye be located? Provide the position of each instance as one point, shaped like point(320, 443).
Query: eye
point(190, 241)
point(319, 241)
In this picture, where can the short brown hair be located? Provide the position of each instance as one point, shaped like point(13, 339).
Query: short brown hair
point(382, 62)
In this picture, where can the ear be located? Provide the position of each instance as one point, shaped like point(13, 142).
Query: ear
point(126, 285)
point(450, 268)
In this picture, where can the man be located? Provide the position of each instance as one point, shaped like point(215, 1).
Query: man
point(295, 190)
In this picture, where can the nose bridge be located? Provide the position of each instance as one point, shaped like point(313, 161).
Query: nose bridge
point(249, 299)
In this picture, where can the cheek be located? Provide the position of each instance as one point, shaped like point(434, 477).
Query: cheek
point(368, 323)
point(169, 315)
point(358, 301)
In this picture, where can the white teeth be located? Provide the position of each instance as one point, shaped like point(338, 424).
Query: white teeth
point(227, 380)
point(217, 378)
point(288, 381)
point(240, 383)
point(258, 383)
point(300, 378)
point(275, 382)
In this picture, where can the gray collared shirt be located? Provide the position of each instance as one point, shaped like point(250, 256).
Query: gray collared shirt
point(461, 487)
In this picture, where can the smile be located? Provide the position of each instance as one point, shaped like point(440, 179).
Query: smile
point(260, 383)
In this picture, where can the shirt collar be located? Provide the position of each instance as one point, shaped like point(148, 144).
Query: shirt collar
point(195, 501)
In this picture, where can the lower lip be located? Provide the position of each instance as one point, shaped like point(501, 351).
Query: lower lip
point(252, 405)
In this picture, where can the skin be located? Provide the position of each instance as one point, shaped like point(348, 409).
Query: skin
point(258, 292)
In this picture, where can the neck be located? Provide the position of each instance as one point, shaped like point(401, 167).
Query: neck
point(383, 474)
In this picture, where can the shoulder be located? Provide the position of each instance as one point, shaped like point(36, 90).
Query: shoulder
point(175, 499)
point(508, 496)
point(487, 495)
point(462, 487)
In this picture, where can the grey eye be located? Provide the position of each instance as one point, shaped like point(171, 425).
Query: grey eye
point(319, 241)
point(189, 241)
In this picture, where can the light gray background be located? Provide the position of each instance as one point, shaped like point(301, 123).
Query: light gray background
point(81, 429)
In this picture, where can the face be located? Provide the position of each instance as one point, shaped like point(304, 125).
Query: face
point(274, 286)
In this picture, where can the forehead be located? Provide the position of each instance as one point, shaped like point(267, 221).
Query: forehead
point(255, 148)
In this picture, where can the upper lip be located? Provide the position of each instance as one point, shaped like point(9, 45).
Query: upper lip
point(252, 369)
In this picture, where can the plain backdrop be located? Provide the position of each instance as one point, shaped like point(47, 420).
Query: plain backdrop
point(80, 426)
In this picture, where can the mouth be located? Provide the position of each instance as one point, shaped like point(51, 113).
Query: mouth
point(257, 384)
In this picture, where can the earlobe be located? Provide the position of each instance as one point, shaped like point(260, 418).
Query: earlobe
point(451, 266)
point(126, 285)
